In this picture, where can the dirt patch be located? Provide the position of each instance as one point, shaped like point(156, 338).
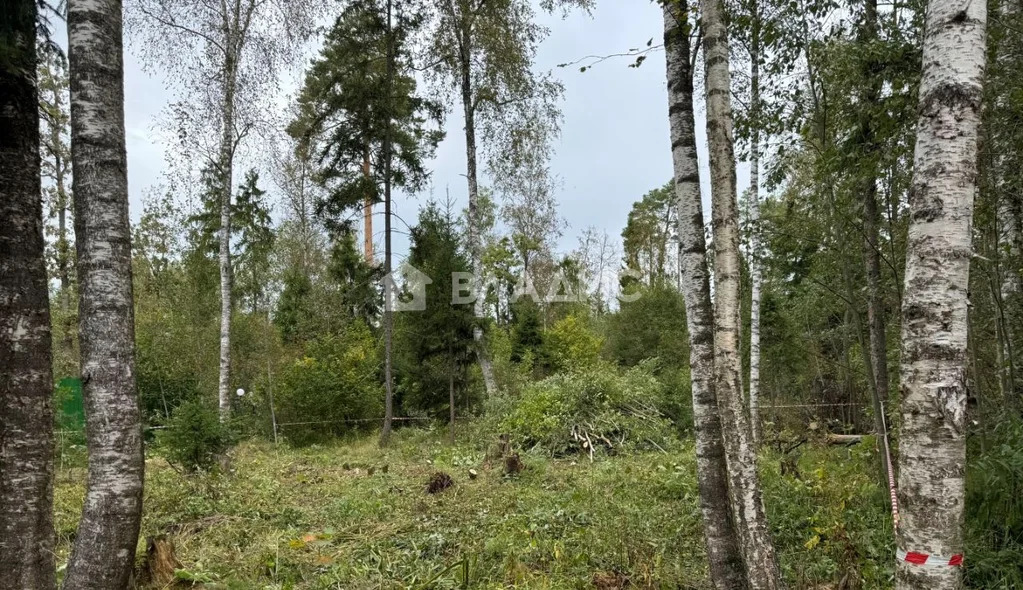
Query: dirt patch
point(610, 581)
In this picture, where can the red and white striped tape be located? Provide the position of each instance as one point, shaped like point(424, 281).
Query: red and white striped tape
point(925, 560)
point(892, 490)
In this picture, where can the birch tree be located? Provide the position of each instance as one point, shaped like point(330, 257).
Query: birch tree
point(292, 172)
point(756, 271)
point(103, 555)
point(744, 485)
point(484, 51)
point(26, 379)
point(56, 169)
point(932, 444)
point(726, 566)
point(226, 55)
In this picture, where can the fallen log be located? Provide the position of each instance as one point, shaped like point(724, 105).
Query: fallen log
point(845, 439)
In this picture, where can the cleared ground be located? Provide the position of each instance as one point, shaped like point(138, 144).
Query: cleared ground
point(355, 516)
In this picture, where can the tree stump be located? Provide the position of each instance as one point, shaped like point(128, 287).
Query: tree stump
point(160, 561)
point(513, 464)
point(439, 482)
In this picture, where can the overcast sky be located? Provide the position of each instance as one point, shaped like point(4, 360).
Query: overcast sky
point(614, 145)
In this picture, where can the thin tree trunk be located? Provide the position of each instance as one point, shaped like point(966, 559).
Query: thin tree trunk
point(26, 378)
point(54, 147)
point(932, 445)
point(451, 393)
point(756, 272)
point(475, 239)
point(103, 555)
point(726, 566)
point(63, 266)
point(63, 245)
point(878, 353)
point(367, 214)
point(1003, 344)
point(1008, 214)
point(385, 434)
point(744, 483)
point(226, 164)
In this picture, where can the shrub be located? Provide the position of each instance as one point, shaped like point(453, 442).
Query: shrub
point(676, 401)
point(595, 407)
point(194, 437)
point(512, 375)
point(570, 344)
point(994, 510)
point(332, 390)
point(652, 326)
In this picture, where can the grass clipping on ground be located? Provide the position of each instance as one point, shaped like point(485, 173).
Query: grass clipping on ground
point(354, 516)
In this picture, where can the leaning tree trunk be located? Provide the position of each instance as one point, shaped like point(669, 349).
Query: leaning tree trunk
point(475, 239)
point(726, 568)
point(103, 555)
point(226, 164)
point(26, 378)
point(743, 481)
point(932, 445)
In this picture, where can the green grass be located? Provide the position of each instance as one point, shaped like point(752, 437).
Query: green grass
point(298, 518)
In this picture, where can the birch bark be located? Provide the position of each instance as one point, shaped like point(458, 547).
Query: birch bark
point(226, 166)
point(743, 481)
point(475, 239)
point(726, 566)
point(756, 272)
point(26, 379)
point(932, 445)
point(103, 555)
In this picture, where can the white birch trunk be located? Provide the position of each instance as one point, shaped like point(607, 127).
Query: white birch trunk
point(932, 446)
point(26, 379)
point(726, 566)
point(757, 281)
point(475, 239)
point(226, 164)
point(744, 483)
point(756, 273)
point(103, 555)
